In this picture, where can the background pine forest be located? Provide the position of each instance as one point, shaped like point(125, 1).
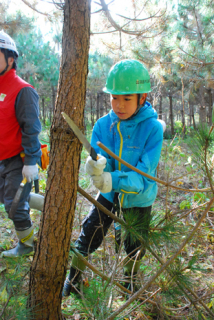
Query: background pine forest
point(178, 51)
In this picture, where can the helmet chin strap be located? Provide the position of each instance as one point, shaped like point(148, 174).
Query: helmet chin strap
point(139, 106)
point(6, 60)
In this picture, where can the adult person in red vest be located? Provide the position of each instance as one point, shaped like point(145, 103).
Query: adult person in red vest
point(19, 130)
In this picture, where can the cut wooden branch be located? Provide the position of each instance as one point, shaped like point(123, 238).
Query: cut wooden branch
point(100, 206)
point(113, 155)
point(97, 271)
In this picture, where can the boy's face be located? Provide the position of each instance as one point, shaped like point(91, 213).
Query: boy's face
point(125, 105)
point(3, 63)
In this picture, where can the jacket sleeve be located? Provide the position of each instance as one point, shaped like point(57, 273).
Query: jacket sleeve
point(96, 136)
point(132, 181)
point(27, 113)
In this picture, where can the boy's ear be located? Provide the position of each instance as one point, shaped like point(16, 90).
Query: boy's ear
point(10, 61)
point(143, 98)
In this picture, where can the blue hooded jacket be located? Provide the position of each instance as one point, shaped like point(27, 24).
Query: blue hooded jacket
point(137, 140)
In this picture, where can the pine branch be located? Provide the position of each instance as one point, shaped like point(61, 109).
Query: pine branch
point(164, 267)
point(164, 264)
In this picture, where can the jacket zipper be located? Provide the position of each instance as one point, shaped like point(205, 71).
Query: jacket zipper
point(121, 145)
point(119, 164)
point(120, 156)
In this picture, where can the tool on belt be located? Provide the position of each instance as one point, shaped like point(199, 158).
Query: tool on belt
point(16, 199)
point(45, 156)
point(80, 136)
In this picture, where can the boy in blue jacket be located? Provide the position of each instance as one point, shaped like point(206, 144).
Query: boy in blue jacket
point(130, 130)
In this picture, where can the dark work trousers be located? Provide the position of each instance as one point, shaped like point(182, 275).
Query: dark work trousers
point(10, 179)
point(96, 224)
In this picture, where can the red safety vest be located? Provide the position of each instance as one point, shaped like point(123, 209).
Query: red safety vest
point(10, 131)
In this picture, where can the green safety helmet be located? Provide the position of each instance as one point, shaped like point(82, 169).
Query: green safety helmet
point(128, 77)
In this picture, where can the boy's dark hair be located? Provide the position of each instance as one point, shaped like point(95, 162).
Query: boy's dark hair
point(10, 54)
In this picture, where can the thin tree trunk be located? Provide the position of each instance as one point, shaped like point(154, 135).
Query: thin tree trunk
point(190, 115)
point(183, 107)
point(202, 107)
point(106, 103)
point(50, 260)
point(98, 106)
point(193, 117)
point(160, 108)
point(171, 116)
point(92, 113)
point(101, 104)
point(43, 110)
point(210, 107)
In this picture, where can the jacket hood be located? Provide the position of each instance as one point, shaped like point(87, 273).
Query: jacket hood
point(144, 113)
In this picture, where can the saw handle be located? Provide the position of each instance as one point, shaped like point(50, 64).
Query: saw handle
point(93, 154)
point(24, 181)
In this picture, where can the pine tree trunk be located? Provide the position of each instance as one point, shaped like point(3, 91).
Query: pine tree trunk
point(43, 109)
point(190, 115)
point(101, 104)
point(98, 106)
point(92, 112)
point(160, 108)
point(49, 265)
point(53, 99)
point(202, 107)
point(193, 117)
point(171, 116)
point(183, 107)
point(210, 107)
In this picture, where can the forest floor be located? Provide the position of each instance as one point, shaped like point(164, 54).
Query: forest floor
point(175, 214)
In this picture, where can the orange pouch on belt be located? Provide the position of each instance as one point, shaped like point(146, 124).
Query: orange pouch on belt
point(45, 156)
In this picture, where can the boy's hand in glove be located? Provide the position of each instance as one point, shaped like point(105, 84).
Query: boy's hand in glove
point(103, 182)
point(30, 172)
point(95, 168)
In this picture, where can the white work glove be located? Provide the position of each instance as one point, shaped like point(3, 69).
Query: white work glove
point(163, 124)
point(30, 172)
point(103, 182)
point(95, 168)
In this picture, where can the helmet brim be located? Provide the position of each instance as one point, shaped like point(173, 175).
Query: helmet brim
point(106, 90)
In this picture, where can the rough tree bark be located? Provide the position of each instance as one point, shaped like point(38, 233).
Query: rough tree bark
point(53, 98)
point(50, 260)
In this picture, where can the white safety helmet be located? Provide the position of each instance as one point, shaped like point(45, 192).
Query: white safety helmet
point(6, 42)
